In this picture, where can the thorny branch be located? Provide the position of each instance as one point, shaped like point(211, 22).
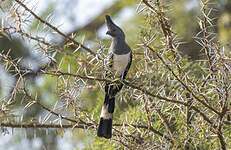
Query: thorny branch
point(208, 45)
point(202, 107)
point(55, 29)
point(77, 123)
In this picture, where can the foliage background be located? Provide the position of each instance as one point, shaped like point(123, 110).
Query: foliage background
point(48, 82)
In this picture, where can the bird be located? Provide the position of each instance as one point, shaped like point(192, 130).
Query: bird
point(119, 61)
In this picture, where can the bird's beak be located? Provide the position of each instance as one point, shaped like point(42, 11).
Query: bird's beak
point(110, 24)
point(108, 20)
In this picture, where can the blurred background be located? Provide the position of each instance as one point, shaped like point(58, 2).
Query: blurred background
point(85, 18)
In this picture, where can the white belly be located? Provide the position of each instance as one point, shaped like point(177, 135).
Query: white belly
point(120, 63)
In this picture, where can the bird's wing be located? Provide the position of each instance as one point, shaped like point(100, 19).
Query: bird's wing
point(127, 68)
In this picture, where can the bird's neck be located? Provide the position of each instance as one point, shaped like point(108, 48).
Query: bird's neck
point(119, 46)
point(118, 41)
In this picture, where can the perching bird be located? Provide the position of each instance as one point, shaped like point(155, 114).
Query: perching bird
point(120, 57)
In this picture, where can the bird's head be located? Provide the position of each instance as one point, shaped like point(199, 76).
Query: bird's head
point(113, 29)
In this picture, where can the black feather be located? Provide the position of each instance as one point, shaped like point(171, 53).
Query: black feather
point(105, 128)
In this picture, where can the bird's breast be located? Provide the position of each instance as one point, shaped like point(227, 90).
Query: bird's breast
point(120, 63)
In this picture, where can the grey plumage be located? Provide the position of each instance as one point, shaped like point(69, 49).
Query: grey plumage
point(118, 45)
point(120, 55)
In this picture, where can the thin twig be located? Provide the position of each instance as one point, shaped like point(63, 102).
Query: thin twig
point(37, 125)
point(184, 85)
point(54, 28)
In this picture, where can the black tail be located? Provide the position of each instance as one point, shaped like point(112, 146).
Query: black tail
point(105, 124)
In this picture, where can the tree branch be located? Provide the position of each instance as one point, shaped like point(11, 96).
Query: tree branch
point(37, 125)
point(55, 29)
